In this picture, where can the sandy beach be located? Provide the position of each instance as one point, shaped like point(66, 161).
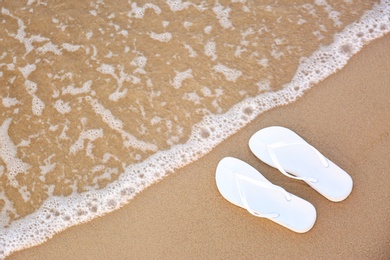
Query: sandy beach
point(346, 117)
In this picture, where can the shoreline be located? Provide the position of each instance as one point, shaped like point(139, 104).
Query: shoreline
point(184, 215)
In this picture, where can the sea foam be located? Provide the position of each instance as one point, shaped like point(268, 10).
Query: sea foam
point(60, 212)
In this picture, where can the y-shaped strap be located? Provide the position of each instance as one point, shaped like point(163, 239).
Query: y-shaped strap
point(262, 185)
point(271, 150)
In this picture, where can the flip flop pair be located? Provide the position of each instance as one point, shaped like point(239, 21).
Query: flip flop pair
point(281, 148)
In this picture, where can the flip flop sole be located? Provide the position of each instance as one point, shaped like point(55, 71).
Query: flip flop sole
point(295, 214)
point(300, 160)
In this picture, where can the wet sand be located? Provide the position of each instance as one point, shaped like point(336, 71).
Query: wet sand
point(346, 117)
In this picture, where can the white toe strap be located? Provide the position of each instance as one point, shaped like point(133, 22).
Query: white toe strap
point(274, 158)
point(240, 178)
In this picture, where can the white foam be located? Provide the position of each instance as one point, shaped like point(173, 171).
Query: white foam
point(31, 87)
point(21, 34)
point(162, 37)
point(106, 175)
point(70, 47)
point(89, 34)
point(47, 167)
point(9, 102)
point(139, 61)
point(76, 91)
point(193, 97)
point(37, 105)
point(263, 62)
point(49, 47)
point(165, 23)
point(124, 33)
point(25, 193)
point(155, 120)
point(8, 153)
point(7, 210)
point(115, 96)
point(332, 14)
point(58, 213)
point(62, 107)
point(26, 70)
point(139, 12)
point(63, 132)
point(210, 50)
point(180, 77)
point(263, 85)
point(91, 135)
point(239, 50)
point(106, 69)
point(208, 29)
point(177, 5)
point(230, 74)
point(116, 124)
point(276, 53)
point(106, 114)
point(191, 52)
point(223, 15)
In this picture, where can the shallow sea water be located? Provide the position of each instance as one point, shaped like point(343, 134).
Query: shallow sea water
point(100, 99)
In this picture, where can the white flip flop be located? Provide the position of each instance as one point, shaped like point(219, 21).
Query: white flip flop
point(244, 186)
point(283, 149)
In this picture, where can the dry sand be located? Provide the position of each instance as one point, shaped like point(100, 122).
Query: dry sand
point(346, 117)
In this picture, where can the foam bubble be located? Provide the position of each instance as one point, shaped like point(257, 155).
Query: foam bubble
point(139, 12)
point(263, 62)
point(62, 107)
point(70, 47)
point(116, 124)
point(86, 88)
point(106, 69)
point(208, 29)
point(115, 96)
point(9, 102)
point(5, 11)
point(26, 70)
point(187, 24)
point(162, 37)
point(47, 167)
point(37, 106)
point(332, 14)
point(210, 50)
point(180, 77)
point(177, 5)
point(49, 47)
point(106, 115)
point(223, 15)
point(124, 33)
point(192, 53)
point(25, 193)
point(8, 153)
point(263, 85)
point(31, 87)
point(106, 175)
point(139, 61)
point(165, 23)
point(5, 213)
point(230, 74)
point(91, 135)
point(89, 34)
point(193, 97)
